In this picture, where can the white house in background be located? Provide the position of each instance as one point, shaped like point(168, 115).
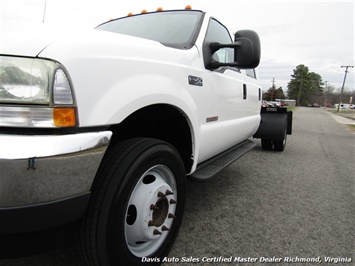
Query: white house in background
point(344, 106)
point(287, 102)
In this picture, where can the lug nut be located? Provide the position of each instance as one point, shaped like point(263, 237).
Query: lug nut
point(164, 228)
point(151, 223)
point(154, 207)
point(170, 215)
point(156, 232)
point(168, 192)
point(173, 201)
point(161, 194)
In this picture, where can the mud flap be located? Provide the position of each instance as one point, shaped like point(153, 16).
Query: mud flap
point(274, 122)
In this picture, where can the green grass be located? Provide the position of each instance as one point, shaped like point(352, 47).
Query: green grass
point(341, 111)
point(351, 127)
point(291, 108)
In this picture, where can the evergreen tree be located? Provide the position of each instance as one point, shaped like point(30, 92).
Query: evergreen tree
point(304, 85)
point(273, 93)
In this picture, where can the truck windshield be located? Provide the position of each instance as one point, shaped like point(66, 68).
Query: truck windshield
point(177, 29)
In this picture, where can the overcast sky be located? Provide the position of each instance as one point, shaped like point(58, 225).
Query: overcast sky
point(318, 34)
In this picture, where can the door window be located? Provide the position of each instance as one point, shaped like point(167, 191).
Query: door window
point(216, 32)
point(250, 73)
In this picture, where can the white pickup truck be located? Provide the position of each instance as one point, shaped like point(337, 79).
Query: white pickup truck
point(100, 129)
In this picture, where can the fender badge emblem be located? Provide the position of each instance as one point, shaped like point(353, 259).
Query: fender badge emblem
point(211, 119)
point(195, 81)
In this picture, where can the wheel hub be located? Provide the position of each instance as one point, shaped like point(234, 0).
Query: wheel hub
point(160, 211)
point(151, 210)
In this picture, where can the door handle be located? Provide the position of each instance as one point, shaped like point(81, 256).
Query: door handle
point(245, 92)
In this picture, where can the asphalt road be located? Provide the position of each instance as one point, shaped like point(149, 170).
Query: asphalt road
point(293, 205)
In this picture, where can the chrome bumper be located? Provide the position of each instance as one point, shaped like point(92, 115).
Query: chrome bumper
point(38, 169)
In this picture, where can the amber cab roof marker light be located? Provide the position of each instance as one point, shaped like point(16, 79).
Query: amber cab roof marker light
point(159, 9)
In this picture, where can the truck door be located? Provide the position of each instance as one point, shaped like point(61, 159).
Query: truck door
point(228, 119)
point(254, 94)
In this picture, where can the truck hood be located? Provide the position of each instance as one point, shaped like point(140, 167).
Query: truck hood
point(45, 43)
point(26, 43)
point(99, 44)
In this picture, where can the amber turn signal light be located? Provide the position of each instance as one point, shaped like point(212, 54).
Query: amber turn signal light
point(64, 117)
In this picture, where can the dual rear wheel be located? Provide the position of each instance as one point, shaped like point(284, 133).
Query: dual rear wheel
point(278, 145)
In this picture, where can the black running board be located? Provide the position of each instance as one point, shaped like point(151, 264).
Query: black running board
point(213, 166)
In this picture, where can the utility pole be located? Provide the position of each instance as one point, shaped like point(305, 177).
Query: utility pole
point(325, 94)
point(342, 88)
point(299, 93)
point(273, 88)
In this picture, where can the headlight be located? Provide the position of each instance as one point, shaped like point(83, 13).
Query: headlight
point(25, 80)
point(35, 93)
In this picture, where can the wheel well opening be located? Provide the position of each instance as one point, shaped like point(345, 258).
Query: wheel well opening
point(159, 121)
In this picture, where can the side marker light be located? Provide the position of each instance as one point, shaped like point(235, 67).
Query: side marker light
point(64, 117)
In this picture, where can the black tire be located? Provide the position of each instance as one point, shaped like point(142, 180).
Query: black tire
point(279, 145)
point(128, 218)
point(266, 144)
